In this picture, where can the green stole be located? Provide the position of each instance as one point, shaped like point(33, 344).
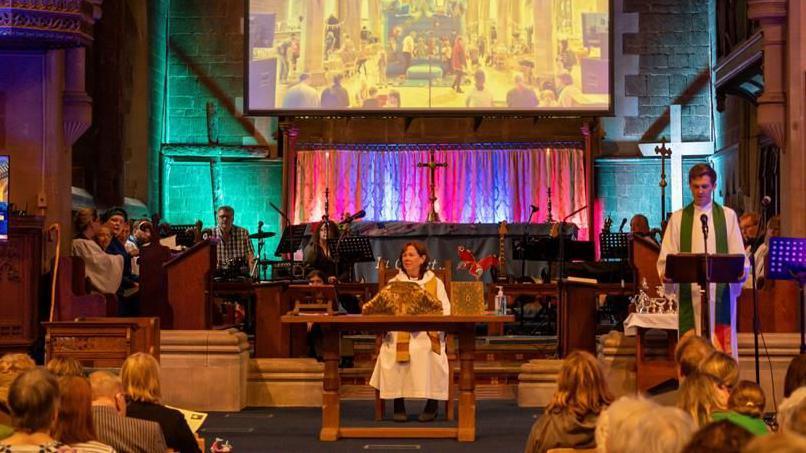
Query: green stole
point(686, 309)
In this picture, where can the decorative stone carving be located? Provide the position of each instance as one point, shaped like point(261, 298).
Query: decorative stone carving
point(47, 24)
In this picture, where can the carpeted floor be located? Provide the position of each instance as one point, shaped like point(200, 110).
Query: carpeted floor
point(501, 426)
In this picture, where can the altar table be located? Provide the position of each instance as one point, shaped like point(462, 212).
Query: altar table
point(463, 326)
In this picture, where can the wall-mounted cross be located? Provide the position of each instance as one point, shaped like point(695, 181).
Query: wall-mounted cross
point(432, 166)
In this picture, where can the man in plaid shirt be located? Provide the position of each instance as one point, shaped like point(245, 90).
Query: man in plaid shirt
point(233, 241)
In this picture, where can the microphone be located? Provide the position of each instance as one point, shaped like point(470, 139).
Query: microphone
point(704, 220)
point(766, 201)
point(259, 224)
point(534, 208)
point(358, 215)
point(621, 227)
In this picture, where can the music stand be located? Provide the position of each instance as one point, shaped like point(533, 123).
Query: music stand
point(613, 246)
point(786, 260)
point(291, 240)
point(312, 299)
point(704, 269)
point(350, 250)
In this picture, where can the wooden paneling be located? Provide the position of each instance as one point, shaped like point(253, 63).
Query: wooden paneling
point(20, 271)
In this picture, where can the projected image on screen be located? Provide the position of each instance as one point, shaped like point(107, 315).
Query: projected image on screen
point(342, 55)
point(4, 183)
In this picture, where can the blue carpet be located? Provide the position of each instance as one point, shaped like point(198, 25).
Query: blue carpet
point(501, 426)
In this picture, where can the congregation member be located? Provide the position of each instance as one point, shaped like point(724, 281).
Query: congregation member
point(104, 271)
point(11, 366)
point(34, 405)
point(745, 408)
point(65, 366)
point(685, 235)
point(700, 396)
point(792, 413)
point(795, 374)
point(719, 437)
point(104, 238)
point(124, 434)
point(115, 219)
point(635, 424)
point(233, 241)
point(140, 374)
point(782, 442)
point(74, 425)
point(722, 367)
point(569, 420)
point(689, 353)
point(414, 364)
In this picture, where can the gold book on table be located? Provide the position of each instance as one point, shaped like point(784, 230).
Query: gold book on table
point(467, 298)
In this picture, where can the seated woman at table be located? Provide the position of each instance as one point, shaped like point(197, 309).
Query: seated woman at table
point(423, 372)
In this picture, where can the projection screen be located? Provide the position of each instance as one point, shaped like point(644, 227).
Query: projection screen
point(342, 57)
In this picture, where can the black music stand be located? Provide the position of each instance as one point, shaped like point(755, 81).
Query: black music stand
point(613, 246)
point(786, 260)
point(350, 250)
point(291, 240)
point(704, 269)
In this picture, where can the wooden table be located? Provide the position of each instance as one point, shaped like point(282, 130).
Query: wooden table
point(462, 326)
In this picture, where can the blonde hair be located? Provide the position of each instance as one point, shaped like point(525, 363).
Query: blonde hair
point(611, 419)
point(699, 398)
point(140, 375)
point(65, 366)
point(11, 365)
point(747, 398)
point(660, 430)
point(690, 351)
point(581, 387)
point(82, 219)
point(721, 366)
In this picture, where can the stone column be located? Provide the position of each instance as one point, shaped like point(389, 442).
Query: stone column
point(350, 15)
point(472, 17)
point(543, 36)
point(312, 51)
point(793, 159)
point(502, 24)
point(375, 18)
point(771, 15)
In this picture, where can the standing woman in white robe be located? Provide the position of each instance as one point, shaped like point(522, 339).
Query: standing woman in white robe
point(425, 374)
point(104, 271)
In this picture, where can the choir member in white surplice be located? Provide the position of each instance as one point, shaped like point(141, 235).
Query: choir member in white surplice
point(423, 372)
point(104, 271)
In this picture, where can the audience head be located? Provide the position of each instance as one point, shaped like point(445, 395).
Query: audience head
point(114, 218)
point(393, 99)
point(646, 427)
point(748, 224)
point(316, 278)
point(125, 231)
point(480, 78)
point(690, 351)
point(792, 413)
point(11, 365)
point(721, 366)
point(108, 390)
point(612, 417)
point(33, 400)
point(65, 366)
point(773, 227)
point(74, 424)
point(747, 398)
point(700, 395)
point(777, 443)
point(140, 374)
point(414, 259)
point(581, 387)
point(795, 374)
point(142, 231)
point(639, 224)
point(86, 222)
point(719, 437)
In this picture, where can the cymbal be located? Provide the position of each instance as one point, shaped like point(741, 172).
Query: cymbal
point(262, 235)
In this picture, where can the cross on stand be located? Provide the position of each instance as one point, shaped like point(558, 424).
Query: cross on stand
point(681, 149)
point(664, 154)
point(432, 166)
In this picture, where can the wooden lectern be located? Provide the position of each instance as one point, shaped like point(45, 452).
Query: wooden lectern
point(176, 287)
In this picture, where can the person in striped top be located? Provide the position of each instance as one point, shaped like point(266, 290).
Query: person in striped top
point(125, 434)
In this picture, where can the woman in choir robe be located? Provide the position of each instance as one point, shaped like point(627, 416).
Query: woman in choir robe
point(425, 373)
point(104, 271)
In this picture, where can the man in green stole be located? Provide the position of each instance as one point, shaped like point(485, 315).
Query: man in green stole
point(684, 235)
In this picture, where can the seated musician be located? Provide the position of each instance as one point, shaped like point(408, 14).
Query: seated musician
point(773, 229)
point(103, 270)
point(414, 365)
point(233, 241)
point(316, 255)
point(639, 226)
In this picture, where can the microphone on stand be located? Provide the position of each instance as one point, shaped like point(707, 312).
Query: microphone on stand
point(358, 215)
point(621, 227)
point(534, 208)
point(766, 201)
point(704, 220)
point(259, 225)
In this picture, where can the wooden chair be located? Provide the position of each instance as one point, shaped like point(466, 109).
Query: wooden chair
point(73, 299)
point(445, 274)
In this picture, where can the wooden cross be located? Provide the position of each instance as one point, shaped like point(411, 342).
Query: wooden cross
point(680, 149)
point(432, 166)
